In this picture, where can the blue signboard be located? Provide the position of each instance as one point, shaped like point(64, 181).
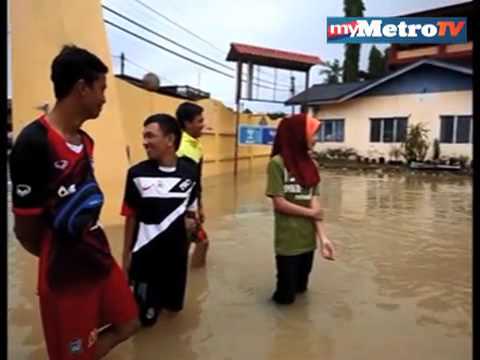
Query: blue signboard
point(268, 135)
point(256, 135)
point(250, 135)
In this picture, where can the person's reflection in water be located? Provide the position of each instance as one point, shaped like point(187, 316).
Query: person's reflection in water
point(296, 336)
point(176, 338)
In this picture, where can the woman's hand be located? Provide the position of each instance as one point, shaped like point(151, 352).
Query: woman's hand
point(327, 249)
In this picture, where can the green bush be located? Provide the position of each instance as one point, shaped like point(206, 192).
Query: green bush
point(341, 153)
point(416, 144)
point(463, 160)
point(395, 153)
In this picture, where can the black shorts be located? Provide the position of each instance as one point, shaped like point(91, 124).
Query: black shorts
point(161, 294)
point(159, 278)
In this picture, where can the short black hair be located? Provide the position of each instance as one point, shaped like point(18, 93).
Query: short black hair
point(187, 111)
point(73, 64)
point(168, 124)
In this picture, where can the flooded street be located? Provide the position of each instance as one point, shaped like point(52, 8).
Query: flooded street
point(400, 288)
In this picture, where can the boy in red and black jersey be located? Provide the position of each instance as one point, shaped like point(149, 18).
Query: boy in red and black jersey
point(80, 286)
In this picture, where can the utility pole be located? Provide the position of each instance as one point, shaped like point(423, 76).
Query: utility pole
point(238, 97)
point(122, 64)
point(292, 90)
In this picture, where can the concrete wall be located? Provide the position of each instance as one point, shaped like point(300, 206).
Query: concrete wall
point(218, 140)
point(426, 108)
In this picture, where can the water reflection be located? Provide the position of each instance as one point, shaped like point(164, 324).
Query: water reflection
point(311, 341)
point(402, 280)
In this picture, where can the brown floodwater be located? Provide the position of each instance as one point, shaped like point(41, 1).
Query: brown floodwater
point(400, 288)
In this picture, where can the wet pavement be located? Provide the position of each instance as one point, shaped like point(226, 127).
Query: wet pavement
point(400, 288)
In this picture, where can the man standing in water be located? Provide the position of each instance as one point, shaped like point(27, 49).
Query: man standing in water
point(190, 118)
point(158, 194)
point(57, 202)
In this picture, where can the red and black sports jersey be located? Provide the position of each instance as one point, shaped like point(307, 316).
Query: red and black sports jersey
point(44, 170)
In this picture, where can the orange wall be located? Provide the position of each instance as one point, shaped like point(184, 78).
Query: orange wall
point(39, 29)
point(218, 142)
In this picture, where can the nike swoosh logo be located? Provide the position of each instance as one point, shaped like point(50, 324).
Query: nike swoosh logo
point(145, 188)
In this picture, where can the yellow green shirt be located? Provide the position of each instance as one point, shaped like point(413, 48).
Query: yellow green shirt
point(294, 235)
point(190, 147)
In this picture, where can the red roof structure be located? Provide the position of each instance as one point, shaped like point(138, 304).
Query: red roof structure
point(272, 57)
point(259, 56)
point(400, 55)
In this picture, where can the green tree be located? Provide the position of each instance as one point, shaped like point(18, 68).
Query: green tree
point(376, 63)
point(333, 72)
point(352, 8)
point(276, 115)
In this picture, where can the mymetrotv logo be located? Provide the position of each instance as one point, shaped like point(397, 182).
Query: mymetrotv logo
point(421, 30)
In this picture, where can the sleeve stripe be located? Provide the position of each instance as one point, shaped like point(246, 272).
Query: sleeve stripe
point(126, 210)
point(26, 212)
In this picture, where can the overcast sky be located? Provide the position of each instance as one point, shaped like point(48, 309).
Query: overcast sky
point(298, 26)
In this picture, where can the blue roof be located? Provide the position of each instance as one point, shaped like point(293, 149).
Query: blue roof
point(336, 93)
point(326, 92)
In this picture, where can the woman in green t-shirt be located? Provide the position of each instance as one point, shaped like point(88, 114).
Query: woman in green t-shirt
point(293, 185)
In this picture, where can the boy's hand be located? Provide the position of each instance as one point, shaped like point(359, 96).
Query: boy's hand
point(127, 258)
point(190, 224)
point(327, 249)
point(201, 216)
